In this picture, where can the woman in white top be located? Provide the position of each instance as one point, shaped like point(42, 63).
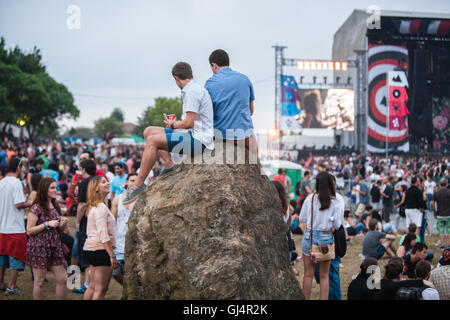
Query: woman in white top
point(326, 220)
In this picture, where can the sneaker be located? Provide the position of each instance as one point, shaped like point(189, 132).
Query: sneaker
point(169, 170)
point(82, 290)
point(13, 291)
point(3, 287)
point(132, 194)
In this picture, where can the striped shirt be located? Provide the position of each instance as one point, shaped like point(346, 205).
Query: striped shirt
point(101, 228)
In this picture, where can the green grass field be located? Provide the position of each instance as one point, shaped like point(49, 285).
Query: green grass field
point(349, 267)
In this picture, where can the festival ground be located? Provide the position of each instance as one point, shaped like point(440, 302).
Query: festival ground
point(349, 268)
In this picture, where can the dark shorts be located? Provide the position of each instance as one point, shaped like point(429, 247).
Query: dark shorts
point(182, 142)
point(98, 258)
point(380, 252)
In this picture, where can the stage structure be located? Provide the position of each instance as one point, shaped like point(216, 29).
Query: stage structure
point(418, 46)
point(317, 103)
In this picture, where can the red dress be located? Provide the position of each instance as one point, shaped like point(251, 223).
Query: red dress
point(45, 248)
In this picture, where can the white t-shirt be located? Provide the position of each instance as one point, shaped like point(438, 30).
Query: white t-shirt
point(429, 186)
point(11, 218)
point(197, 99)
point(430, 294)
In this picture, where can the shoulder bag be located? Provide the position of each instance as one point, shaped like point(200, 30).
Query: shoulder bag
point(323, 252)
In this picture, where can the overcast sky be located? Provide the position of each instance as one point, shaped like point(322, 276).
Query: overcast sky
point(124, 51)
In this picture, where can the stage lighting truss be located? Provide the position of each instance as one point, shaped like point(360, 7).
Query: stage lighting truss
point(332, 65)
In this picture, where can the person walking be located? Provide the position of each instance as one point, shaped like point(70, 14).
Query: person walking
point(325, 208)
point(441, 208)
point(101, 239)
point(44, 247)
point(388, 198)
point(414, 202)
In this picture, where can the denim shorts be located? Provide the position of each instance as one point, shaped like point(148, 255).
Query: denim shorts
point(11, 263)
point(319, 237)
point(120, 268)
point(184, 141)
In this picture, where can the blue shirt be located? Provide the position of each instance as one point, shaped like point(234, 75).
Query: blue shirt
point(364, 199)
point(52, 174)
point(231, 93)
point(3, 156)
point(118, 185)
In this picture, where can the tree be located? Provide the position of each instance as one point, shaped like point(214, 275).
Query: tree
point(109, 125)
point(117, 113)
point(153, 115)
point(30, 94)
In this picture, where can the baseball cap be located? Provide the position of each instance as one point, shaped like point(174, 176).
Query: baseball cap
point(120, 163)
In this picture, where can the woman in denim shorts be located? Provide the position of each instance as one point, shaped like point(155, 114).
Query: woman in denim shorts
point(326, 220)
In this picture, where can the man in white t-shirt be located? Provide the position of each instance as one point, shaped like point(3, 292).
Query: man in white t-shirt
point(13, 238)
point(430, 188)
point(190, 136)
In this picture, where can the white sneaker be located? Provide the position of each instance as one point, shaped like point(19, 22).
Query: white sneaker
point(13, 291)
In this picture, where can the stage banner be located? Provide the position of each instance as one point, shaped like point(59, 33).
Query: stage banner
point(441, 122)
point(384, 59)
point(289, 104)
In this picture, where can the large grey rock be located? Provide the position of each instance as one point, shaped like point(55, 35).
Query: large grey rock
point(209, 232)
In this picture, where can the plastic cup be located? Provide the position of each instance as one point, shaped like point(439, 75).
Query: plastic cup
point(171, 117)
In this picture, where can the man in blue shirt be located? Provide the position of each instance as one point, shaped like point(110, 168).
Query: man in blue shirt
point(232, 95)
point(118, 183)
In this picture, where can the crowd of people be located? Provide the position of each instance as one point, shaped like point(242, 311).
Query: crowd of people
point(339, 196)
point(374, 197)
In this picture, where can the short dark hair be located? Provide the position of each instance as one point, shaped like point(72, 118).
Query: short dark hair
point(413, 180)
point(423, 268)
point(419, 246)
point(182, 70)
point(13, 164)
point(307, 173)
point(366, 264)
point(90, 166)
point(219, 57)
point(393, 268)
point(91, 155)
point(38, 161)
point(131, 175)
point(412, 227)
point(369, 207)
point(280, 171)
point(373, 224)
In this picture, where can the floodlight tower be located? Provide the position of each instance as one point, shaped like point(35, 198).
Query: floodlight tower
point(279, 61)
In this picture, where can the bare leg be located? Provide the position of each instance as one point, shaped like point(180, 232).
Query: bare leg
point(103, 276)
point(39, 279)
point(308, 275)
point(2, 275)
point(90, 290)
point(119, 279)
point(14, 274)
point(153, 144)
point(60, 275)
point(324, 274)
point(164, 154)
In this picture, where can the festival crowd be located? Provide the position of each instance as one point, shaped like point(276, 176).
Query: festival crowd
point(44, 183)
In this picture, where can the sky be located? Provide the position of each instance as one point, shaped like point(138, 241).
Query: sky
point(123, 52)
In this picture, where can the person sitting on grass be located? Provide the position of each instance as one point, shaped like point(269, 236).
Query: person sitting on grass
point(192, 135)
point(418, 252)
point(393, 281)
point(376, 243)
point(358, 288)
point(409, 241)
point(353, 227)
point(411, 229)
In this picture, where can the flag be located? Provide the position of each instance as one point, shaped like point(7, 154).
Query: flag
point(397, 123)
point(397, 101)
point(289, 108)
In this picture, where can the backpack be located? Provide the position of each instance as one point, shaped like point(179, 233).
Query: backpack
point(340, 242)
point(410, 293)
